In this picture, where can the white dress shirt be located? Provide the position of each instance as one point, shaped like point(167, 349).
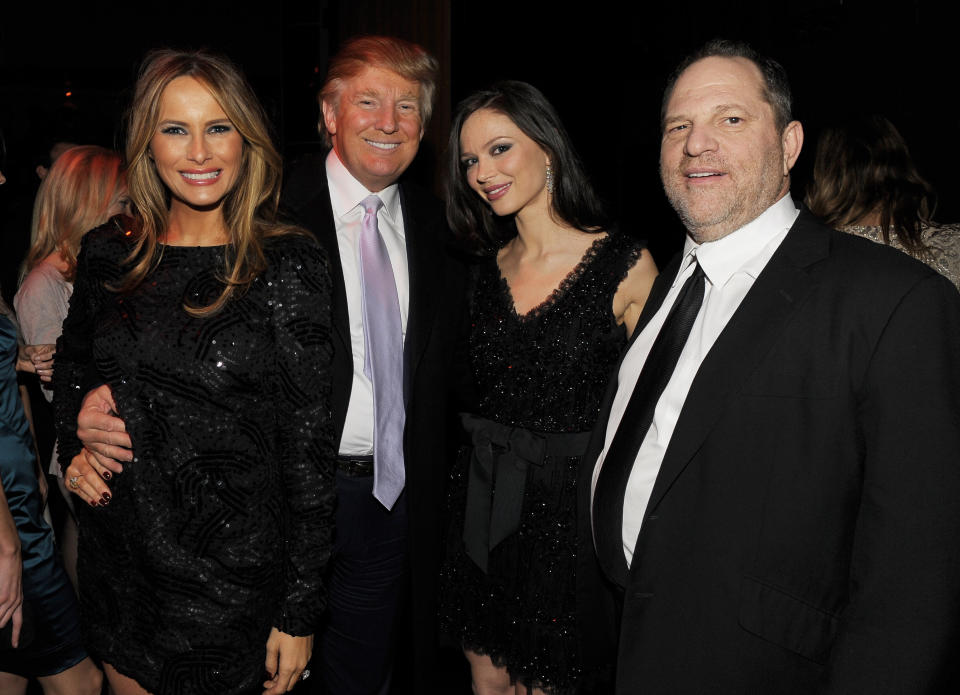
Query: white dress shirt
point(731, 265)
point(346, 193)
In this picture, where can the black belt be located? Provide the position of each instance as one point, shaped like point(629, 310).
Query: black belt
point(355, 466)
point(501, 455)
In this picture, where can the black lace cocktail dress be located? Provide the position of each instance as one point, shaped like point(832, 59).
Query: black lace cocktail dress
point(539, 378)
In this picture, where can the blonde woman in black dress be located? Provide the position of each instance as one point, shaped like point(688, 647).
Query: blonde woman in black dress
point(200, 568)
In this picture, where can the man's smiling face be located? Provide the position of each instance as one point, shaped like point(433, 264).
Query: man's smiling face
point(376, 126)
point(723, 161)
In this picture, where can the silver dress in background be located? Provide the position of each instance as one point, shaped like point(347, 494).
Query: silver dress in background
point(942, 244)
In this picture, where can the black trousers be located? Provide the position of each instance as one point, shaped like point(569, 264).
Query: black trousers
point(355, 648)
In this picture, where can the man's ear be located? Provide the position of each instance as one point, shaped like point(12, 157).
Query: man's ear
point(792, 141)
point(329, 116)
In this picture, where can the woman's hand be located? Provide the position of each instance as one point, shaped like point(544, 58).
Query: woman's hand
point(287, 656)
point(37, 359)
point(83, 478)
point(11, 568)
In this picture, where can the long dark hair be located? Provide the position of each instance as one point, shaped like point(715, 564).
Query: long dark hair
point(573, 201)
point(863, 166)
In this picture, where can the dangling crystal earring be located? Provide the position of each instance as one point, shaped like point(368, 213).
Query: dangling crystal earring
point(549, 180)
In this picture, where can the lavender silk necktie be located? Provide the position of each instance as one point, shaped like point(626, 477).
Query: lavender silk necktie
point(383, 362)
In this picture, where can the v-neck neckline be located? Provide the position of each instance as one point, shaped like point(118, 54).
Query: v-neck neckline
point(558, 292)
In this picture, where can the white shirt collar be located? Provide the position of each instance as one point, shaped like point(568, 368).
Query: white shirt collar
point(745, 250)
point(346, 192)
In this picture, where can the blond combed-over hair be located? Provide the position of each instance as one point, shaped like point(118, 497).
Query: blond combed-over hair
point(405, 58)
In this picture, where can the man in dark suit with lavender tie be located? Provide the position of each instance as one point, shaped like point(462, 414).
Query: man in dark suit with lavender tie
point(376, 103)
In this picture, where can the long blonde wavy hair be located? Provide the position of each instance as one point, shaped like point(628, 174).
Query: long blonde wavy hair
point(75, 197)
point(249, 208)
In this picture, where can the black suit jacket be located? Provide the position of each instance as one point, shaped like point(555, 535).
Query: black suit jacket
point(803, 533)
point(436, 296)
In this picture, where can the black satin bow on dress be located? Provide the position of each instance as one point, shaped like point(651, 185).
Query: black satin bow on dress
point(497, 477)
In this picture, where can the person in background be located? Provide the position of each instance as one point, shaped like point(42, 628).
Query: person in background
point(39, 622)
point(554, 301)
point(84, 188)
point(201, 572)
point(51, 156)
point(865, 183)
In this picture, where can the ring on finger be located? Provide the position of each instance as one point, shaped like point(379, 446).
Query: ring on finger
point(305, 675)
point(74, 482)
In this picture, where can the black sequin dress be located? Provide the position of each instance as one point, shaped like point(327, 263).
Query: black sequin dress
point(220, 528)
point(546, 372)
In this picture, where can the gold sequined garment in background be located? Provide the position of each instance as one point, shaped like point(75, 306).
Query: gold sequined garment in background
point(942, 244)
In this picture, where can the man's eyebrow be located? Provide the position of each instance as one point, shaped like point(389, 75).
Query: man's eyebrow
point(372, 92)
point(719, 108)
point(733, 106)
point(673, 118)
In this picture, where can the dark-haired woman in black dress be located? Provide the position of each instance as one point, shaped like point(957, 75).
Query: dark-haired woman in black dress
point(551, 307)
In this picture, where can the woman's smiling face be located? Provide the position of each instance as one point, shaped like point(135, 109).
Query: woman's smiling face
point(196, 148)
point(502, 164)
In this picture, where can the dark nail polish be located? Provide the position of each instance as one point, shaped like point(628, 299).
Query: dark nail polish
point(92, 503)
point(107, 475)
point(105, 497)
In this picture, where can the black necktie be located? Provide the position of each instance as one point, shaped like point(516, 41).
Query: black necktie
point(657, 370)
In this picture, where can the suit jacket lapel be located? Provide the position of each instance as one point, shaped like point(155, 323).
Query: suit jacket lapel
point(755, 326)
point(598, 436)
point(424, 268)
point(655, 299)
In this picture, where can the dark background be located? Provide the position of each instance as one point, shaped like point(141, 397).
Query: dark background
point(66, 72)
point(602, 67)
